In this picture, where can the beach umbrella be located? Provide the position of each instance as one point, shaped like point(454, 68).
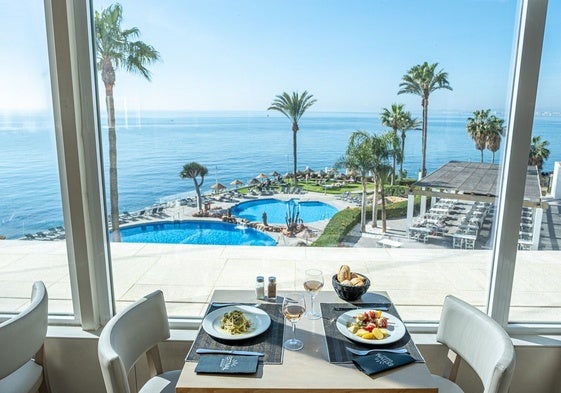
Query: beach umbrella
point(261, 176)
point(253, 182)
point(236, 183)
point(274, 174)
point(307, 171)
point(218, 187)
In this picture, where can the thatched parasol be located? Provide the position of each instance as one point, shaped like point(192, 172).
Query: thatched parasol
point(218, 187)
point(261, 176)
point(236, 183)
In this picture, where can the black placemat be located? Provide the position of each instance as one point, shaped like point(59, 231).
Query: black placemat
point(336, 342)
point(268, 342)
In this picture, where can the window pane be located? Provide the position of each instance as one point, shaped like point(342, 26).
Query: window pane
point(222, 65)
point(30, 199)
point(535, 295)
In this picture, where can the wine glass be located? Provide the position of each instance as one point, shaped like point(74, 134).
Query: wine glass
point(313, 283)
point(293, 307)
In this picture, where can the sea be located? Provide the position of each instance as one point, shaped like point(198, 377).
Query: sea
point(153, 147)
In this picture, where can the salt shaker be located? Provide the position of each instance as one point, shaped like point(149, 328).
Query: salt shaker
point(272, 288)
point(260, 288)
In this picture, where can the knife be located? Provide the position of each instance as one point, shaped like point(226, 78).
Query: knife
point(374, 306)
point(228, 352)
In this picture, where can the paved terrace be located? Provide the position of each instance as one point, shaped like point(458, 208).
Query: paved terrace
point(416, 279)
point(416, 275)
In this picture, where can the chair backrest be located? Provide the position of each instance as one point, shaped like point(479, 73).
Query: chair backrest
point(22, 336)
point(128, 335)
point(480, 341)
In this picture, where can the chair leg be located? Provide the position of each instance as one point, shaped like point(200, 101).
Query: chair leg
point(40, 360)
point(452, 366)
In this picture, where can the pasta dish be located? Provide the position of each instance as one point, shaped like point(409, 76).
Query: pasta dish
point(235, 322)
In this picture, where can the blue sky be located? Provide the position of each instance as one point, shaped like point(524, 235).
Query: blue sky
point(351, 54)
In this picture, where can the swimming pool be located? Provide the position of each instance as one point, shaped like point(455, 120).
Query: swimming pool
point(196, 232)
point(276, 210)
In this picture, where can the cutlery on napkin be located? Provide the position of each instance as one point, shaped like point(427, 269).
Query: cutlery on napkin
point(228, 352)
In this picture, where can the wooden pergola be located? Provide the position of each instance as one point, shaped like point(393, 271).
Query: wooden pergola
point(473, 181)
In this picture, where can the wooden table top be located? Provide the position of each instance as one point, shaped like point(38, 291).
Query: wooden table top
point(306, 369)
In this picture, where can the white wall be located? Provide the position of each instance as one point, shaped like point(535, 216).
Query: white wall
point(73, 365)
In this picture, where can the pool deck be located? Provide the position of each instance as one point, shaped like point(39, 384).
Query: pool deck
point(174, 210)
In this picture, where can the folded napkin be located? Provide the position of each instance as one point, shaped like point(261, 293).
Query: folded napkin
point(381, 361)
point(227, 364)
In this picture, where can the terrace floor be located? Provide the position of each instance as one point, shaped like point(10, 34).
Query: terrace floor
point(416, 275)
point(417, 279)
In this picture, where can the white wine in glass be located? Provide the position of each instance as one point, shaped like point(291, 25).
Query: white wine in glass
point(313, 284)
point(293, 307)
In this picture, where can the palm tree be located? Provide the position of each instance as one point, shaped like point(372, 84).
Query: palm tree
point(409, 123)
point(398, 120)
point(494, 133)
point(193, 170)
point(293, 107)
point(382, 148)
point(477, 127)
point(116, 49)
point(358, 157)
point(369, 153)
point(538, 152)
point(422, 80)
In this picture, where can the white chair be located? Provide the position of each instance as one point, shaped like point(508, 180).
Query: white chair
point(476, 338)
point(21, 346)
point(127, 336)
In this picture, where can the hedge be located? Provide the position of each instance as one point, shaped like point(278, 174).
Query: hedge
point(345, 220)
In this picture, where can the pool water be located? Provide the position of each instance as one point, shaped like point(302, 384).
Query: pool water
point(196, 232)
point(276, 210)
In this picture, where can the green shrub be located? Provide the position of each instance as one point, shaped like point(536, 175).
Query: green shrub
point(399, 191)
point(345, 220)
point(338, 227)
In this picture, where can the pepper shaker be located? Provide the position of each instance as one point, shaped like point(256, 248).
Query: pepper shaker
point(272, 288)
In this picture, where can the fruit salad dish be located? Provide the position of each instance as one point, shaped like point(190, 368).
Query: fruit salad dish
point(369, 325)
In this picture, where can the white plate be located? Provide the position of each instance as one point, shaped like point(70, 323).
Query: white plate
point(396, 328)
point(258, 319)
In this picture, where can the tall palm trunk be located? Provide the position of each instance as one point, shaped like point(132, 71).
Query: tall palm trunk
point(375, 201)
point(394, 162)
point(113, 182)
point(295, 150)
point(402, 155)
point(294, 154)
point(383, 196)
point(363, 204)
point(425, 104)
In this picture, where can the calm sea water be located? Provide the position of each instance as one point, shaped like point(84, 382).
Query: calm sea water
point(236, 145)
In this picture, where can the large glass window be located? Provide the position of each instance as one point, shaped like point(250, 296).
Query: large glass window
point(535, 295)
point(203, 96)
point(215, 69)
point(30, 197)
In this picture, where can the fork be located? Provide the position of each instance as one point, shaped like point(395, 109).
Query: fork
point(369, 351)
point(234, 304)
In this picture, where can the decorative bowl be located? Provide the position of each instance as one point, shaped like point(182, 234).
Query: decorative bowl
point(350, 293)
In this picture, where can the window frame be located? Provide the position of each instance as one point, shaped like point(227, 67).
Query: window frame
point(71, 55)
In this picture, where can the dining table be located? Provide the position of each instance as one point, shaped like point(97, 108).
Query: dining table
point(322, 365)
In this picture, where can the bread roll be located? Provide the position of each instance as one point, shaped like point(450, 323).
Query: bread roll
point(344, 273)
point(346, 283)
point(357, 282)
